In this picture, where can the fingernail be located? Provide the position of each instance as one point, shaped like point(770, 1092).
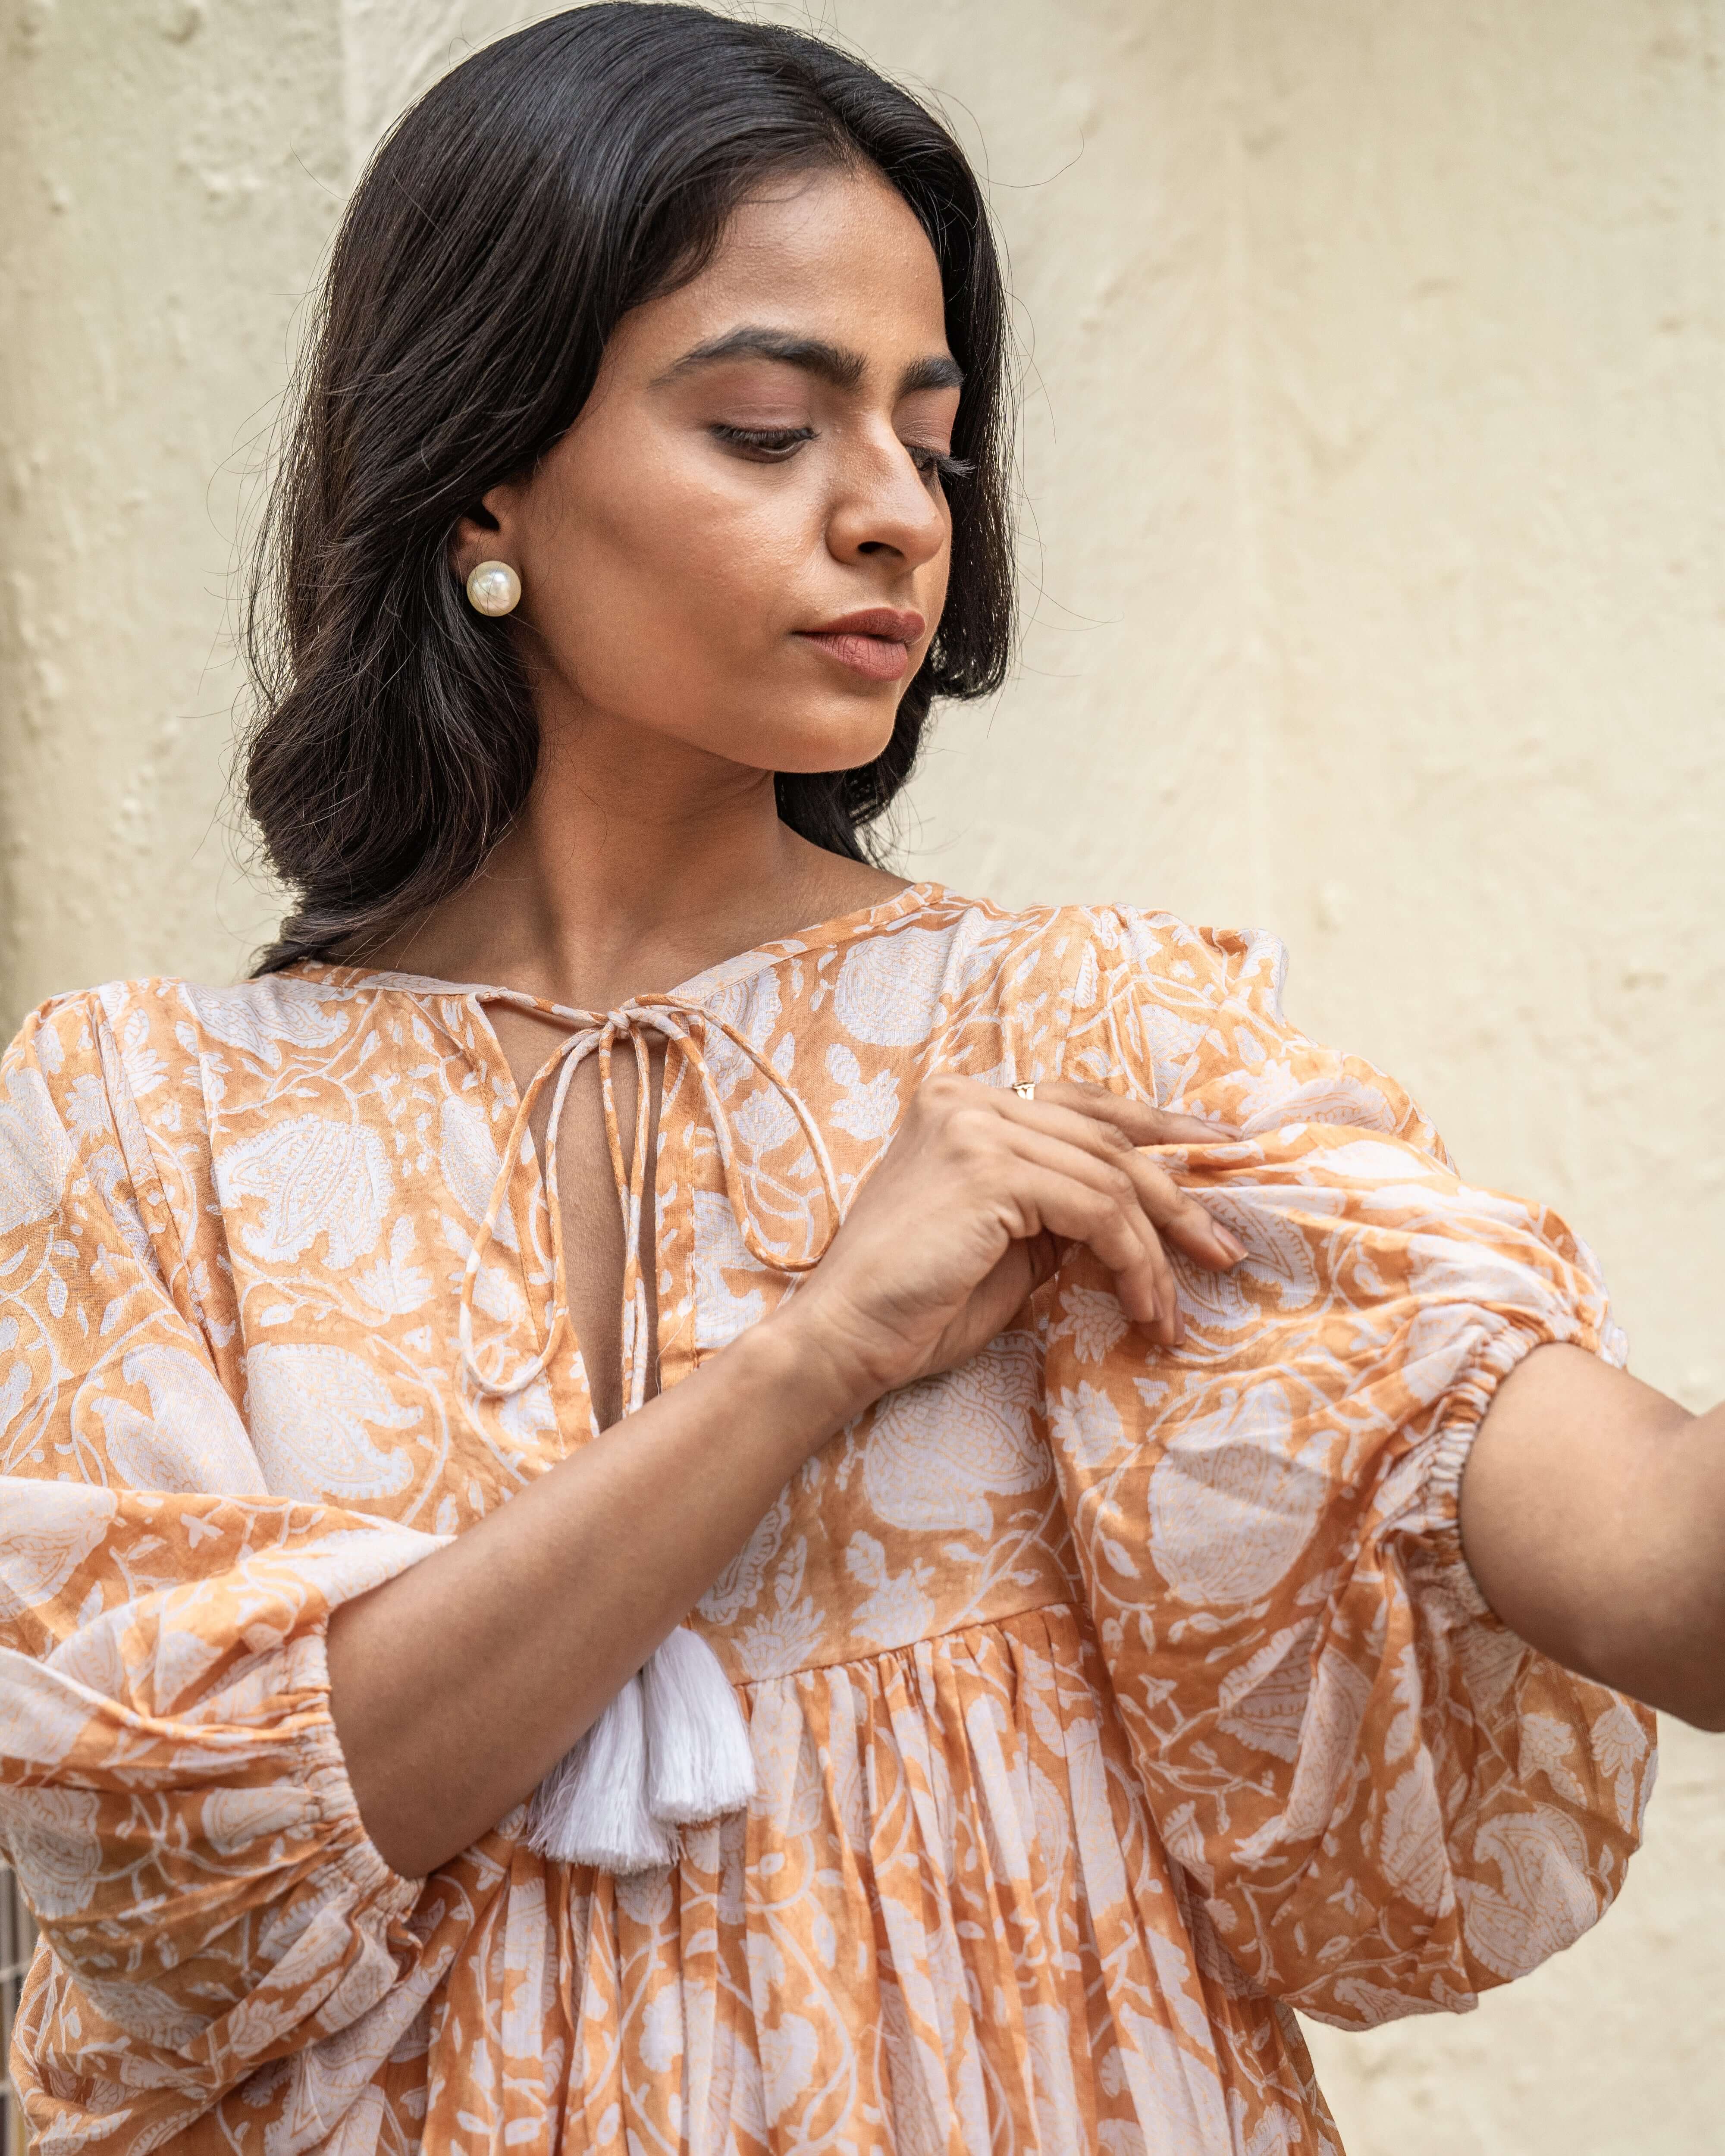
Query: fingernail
point(1231, 1243)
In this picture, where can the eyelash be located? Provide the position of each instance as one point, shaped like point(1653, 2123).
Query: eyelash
point(778, 444)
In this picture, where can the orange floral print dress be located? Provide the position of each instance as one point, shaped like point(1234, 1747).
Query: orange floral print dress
point(1106, 1703)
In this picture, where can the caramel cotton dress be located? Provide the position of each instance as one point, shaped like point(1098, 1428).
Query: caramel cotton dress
point(1106, 1703)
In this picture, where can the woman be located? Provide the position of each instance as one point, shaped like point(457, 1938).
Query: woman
point(1042, 1379)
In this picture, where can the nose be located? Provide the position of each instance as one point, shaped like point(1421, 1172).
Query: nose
point(885, 505)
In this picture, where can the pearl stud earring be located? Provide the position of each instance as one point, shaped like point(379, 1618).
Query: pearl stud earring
point(494, 587)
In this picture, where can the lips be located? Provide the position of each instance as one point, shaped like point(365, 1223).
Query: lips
point(875, 642)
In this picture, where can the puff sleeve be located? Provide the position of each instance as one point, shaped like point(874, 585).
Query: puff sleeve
point(173, 1796)
point(1384, 1801)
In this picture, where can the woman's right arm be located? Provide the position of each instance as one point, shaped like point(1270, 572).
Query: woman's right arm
point(173, 1796)
point(458, 1686)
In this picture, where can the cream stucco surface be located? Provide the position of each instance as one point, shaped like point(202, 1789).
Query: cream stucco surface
point(1374, 455)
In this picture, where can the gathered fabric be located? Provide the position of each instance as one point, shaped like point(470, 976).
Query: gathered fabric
point(1070, 1721)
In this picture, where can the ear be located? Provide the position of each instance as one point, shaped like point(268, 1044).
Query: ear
point(490, 532)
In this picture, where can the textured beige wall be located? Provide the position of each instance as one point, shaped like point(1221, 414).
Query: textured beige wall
point(170, 171)
point(1375, 441)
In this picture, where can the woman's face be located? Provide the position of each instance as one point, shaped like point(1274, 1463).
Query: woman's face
point(742, 542)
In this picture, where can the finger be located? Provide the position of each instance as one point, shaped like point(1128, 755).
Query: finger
point(1172, 1210)
point(1078, 1215)
point(1111, 1156)
point(1069, 1191)
point(1139, 1120)
point(1182, 1219)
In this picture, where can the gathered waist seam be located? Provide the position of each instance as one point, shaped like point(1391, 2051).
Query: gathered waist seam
point(929, 1639)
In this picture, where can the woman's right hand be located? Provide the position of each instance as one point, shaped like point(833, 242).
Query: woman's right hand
point(967, 1213)
point(457, 1686)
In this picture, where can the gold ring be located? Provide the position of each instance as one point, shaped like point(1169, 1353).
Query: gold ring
point(1025, 1092)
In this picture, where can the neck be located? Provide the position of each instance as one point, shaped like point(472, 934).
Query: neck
point(638, 862)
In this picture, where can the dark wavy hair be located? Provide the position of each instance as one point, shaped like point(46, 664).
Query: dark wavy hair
point(511, 218)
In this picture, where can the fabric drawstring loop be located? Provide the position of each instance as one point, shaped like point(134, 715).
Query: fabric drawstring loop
point(671, 1748)
point(669, 1017)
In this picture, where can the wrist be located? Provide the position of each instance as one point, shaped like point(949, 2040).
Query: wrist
point(791, 1371)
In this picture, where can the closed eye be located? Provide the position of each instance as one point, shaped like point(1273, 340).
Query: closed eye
point(936, 464)
point(771, 445)
point(778, 445)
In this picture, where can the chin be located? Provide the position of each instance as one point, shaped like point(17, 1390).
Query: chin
point(835, 742)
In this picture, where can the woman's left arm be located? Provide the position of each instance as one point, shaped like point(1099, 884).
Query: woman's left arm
point(1593, 1516)
point(1382, 1797)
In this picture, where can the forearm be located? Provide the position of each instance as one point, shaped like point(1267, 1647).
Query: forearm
point(455, 1687)
point(1593, 1515)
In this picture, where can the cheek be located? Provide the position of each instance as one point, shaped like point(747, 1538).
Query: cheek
point(939, 572)
point(659, 563)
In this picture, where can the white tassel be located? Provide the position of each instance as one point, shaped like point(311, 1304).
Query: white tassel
point(670, 1748)
point(591, 1808)
point(700, 1762)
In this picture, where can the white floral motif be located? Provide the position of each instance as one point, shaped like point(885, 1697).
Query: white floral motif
point(751, 1008)
point(145, 2010)
point(1098, 1839)
point(787, 2053)
point(1279, 1264)
point(888, 987)
point(1440, 1342)
point(1180, 2093)
point(1545, 1900)
point(1093, 1320)
point(782, 1638)
point(316, 1177)
point(1232, 1503)
point(108, 1172)
point(1547, 1748)
point(495, 1291)
point(393, 1286)
point(262, 1017)
point(662, 2031)
point(51, 1835)
point(238, 1818)
point(523, 1415)
point(737, 1585)
point(144, 1065)
point(900, 1610)
point(1263, 1702)
point(868, 1107)
point(191, 1439)
point(42, 1548)
point(1371, 1160)
point(721, 1313)
point(35, 1158)
point(309, 1407)
point(1085, 1424)
point(1056, 2092)
point(765, 1120)
point(940, 1449)
point(1618, 1743)
point(88, 1117)
point(471, 1162)
point(1277, 1097)
point(1329, 1746)
point(1411, 1841)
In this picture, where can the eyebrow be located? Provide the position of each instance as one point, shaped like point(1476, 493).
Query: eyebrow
point(835, 363)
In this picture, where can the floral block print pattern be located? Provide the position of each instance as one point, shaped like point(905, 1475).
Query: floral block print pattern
point(1107, 1702)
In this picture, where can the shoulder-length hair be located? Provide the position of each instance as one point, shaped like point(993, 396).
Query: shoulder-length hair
point(511, 218)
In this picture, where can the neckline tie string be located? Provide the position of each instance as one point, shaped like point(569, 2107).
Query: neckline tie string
point(678, 1022)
